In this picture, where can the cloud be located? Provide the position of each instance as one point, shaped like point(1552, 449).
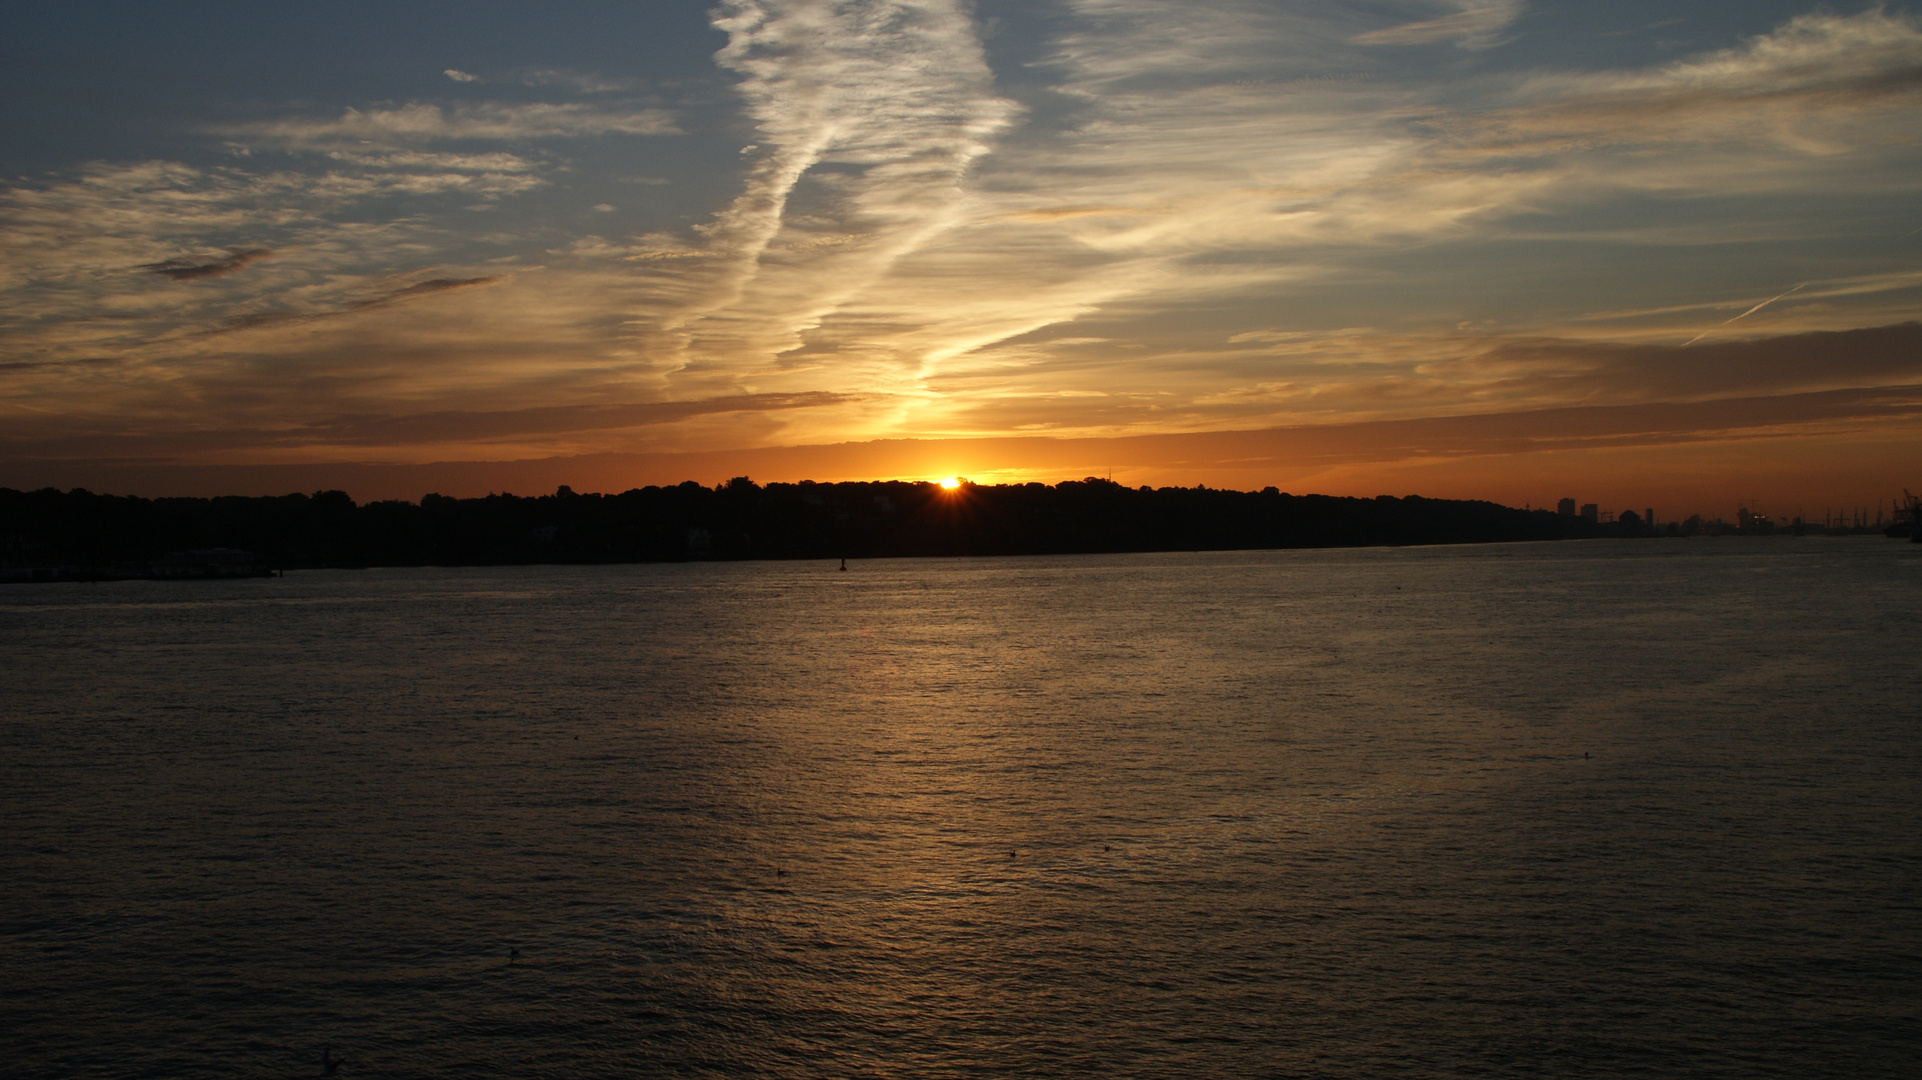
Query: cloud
point(66, 246)
point(489, 426)
point(1190, 176)
point(498, 162)
point(475, 430)
point(896, 99)
point(1864, 285)
point(415, 291)
point(460, 76)
point(1789, 363)
point(1805, 88)
point(422, 123)
point(1538, 454)
point(578, 81)
point(1873, 49)
point(1168, 160)
point(1476, 24)
point(1281, 378)
point(434, 285)
point(193, 270)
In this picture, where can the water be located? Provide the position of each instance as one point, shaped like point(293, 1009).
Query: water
point(1599, 809)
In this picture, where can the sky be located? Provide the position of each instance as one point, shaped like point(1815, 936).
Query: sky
point(1646, 254)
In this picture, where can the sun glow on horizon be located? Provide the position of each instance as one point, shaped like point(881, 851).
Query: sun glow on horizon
point(949, 483)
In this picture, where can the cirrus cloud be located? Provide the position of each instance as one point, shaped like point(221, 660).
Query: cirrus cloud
point(420, 123)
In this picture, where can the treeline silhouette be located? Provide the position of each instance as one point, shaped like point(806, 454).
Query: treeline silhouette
point(737, 520)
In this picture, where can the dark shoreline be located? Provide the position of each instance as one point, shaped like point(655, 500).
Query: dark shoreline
point(49, 535)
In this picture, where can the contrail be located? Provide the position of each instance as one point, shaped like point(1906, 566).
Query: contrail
point(1743, 315)
point(899, 89)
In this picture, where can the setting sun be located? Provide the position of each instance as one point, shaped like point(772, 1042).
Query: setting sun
point(950, 483)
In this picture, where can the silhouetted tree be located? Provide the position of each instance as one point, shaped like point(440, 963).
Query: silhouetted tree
point(738, 520)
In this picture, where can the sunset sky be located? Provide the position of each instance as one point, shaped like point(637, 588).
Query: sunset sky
point(1646, 254)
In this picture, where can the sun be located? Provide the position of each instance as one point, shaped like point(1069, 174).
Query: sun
point(950, 483)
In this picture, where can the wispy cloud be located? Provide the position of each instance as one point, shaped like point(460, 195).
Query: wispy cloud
point(1750, 311)
point(1803, 89)
point(256, 320)
point(423, 123)
point(402, 433)
point(460, 76)
point(1570, 370)
point(1193, 177)
point(581, 82)
point(889, 103)
point(1278, 378)
point(135, 264)
point(493, 426)
point(189, 269)
point(1474, 24)
point(1820, 289)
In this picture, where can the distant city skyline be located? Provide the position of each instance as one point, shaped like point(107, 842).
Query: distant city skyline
point(1660, 254)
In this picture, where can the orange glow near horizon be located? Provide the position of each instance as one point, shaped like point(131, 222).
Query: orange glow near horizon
point(1696, 465)
point(950, 483)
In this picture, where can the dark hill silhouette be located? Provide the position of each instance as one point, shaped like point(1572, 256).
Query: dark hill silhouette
point(737, 520)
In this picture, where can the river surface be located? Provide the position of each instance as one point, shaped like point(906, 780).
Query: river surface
point(1637, 808)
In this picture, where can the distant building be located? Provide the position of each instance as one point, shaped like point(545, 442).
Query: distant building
point(1648, 517)
point(1591, 513)
point(1566, 508)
